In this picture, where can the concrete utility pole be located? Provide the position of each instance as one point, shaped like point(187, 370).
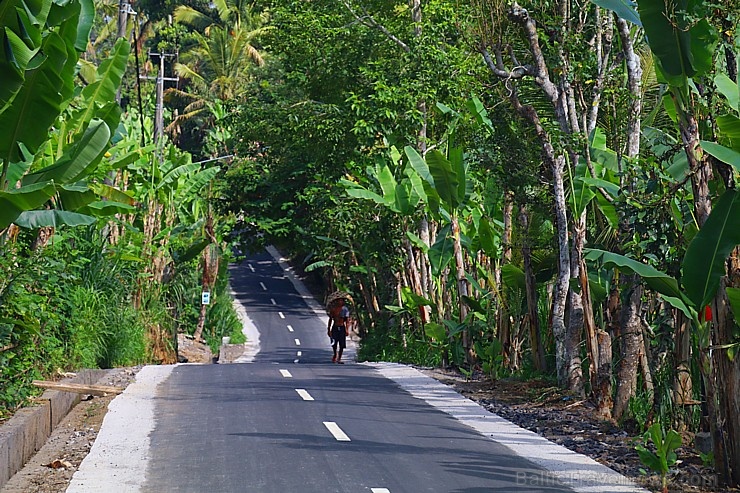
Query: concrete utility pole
point(124, 10)
point(159, 108)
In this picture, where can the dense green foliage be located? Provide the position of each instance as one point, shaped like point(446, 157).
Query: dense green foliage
point(100, 236)
point(536, 187)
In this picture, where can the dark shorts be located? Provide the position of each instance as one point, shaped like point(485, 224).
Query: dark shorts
point(339, 335)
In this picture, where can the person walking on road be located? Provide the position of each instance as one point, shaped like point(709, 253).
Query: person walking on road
point(337, 329)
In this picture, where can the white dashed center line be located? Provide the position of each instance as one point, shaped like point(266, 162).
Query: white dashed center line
point(281, 314)
point(336, 431)
point(304, 395)
point(273, 301)
point(264, 288)
point(380, 490)
point(286, 374)
point(299, 353)
point(251, 267)
point(297, 342)
point(290, 328)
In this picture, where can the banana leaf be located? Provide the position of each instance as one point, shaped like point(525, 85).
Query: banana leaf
point(704, 262)
point(52, 218)
point(14, 202)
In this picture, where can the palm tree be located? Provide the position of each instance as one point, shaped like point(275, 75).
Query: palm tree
point(218, 66)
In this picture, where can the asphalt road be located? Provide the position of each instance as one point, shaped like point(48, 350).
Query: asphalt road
point(291, 421)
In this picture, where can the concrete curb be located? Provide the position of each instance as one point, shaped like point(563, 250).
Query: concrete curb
point(27, 431)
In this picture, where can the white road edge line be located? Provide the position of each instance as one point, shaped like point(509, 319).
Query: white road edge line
point(304, 394)
point(286, 374)
point(336, 431)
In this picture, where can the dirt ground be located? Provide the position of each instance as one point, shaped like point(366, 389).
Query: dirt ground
point(51, 469)
point(535, 405)
point(553, 413)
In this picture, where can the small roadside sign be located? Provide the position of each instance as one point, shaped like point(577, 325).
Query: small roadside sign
point(205, 298)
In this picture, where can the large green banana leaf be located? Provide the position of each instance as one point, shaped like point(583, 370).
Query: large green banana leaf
point(683, 46)
point(359, 192)
point(387, 182)
point(446, 181)
point(52, 218)
point(111, 193)
point(658, 281)
point(704, 262)
point(489, 239)
point(103, 90)
point(625, 9)
point(37, 104)
point(419, 165)
point(729, 89)
point(77, 161)
point(75, 197)
point(729, 126)
point(724, 154)
point(13, 202)
point(105, 208)
point(441, 253)
point(199, 180)
point(22, 22)
point(79, 15)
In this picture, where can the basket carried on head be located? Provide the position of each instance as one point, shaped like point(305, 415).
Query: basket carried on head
point(336, 296)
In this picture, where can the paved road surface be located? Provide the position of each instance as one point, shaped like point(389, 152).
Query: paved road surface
point(291, 421)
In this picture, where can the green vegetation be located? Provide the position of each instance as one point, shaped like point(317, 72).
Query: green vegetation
point(531, 188)
point(664, 456)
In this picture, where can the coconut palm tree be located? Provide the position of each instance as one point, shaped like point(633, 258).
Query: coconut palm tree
point(217, 67)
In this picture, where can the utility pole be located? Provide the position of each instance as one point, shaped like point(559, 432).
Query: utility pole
point(159, 108)
point(124, 10)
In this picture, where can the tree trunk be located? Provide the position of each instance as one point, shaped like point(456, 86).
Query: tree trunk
point(683, 392)
point(535, 341)
point(565, 366)
point(630, 344)
point(576, 316)
point(210, 272)
point(462, 283)
point(726, 376)
point(503, 315)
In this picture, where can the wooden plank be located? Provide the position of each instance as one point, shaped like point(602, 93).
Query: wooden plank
point(101, 390)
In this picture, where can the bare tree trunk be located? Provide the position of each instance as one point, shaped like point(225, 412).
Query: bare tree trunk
point(462, 283)
point(503, 315)
point(535, 341)
point(366, 296)
point(565, 366)
point(683, 392)
point(210, 272)
point(630, 345)
point(726, 376)
point(576, 318)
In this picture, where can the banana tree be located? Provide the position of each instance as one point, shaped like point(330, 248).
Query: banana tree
point(41, 167)
point(703, 269)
